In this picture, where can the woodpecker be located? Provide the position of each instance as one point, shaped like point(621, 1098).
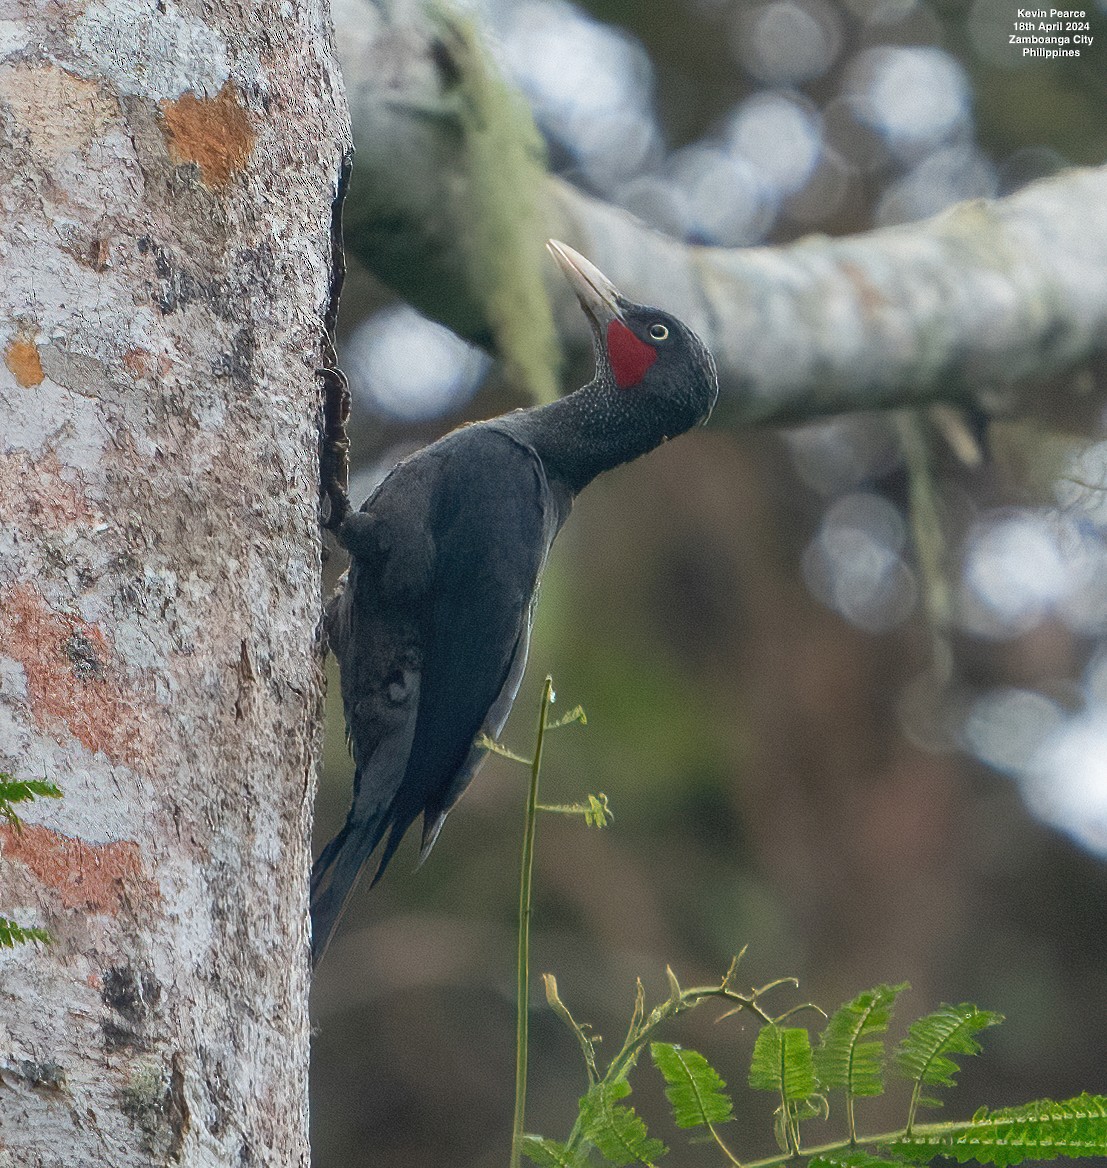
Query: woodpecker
point(431, 624)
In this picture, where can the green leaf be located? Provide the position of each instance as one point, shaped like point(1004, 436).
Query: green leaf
point(1043, 1130)
point(484, 742)
point(813, 1107)
point(852, 1158)
point(22, 791)
point(576, 714)
point(598, 813)
point(551, 1154)
point(923, 1055)
point(693, 1086)
point(782, 1062)
point(587, 1042)
point(12, 934)
point(594, 808)
point(847, 1058)
point(617, 1132)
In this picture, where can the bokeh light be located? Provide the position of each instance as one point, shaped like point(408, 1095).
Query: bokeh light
point(1015, 574)
point(1065, 783)
point(778, 157)
point(590, 86)
point(1006, 727)
point(915, 96)
point(1025, 566)
point(841, 453)
point(855, 567)
point(406, 367)
point(593, 91)
point(779, 136)
point(787, 42)
point(947, 176)
point(725, 202)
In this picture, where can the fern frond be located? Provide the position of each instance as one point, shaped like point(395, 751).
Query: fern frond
point(694, 1088)
point(576, 714)
point(12, 934)
point(1043, 1130)
point(550, 1154)
point(594, 809)
point(23, 791)
point(580, 1029)
point(847, 1057)
point(485, 742)
point(782, 1062)
point(923, 1055)
point(617, 1132)
point(852, 1158)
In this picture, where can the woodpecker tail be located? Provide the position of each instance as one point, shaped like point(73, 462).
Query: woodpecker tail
point(335, 875)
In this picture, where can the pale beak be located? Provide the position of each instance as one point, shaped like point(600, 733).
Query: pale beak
point(596, 293)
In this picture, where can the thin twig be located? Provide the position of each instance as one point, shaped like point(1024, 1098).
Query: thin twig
point(522, 986)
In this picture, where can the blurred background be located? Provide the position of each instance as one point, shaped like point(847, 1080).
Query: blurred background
point(795, 760)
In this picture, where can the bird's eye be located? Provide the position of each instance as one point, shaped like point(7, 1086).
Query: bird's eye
point(659, 332)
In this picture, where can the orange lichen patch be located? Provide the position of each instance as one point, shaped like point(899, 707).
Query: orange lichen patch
point(21, 357)
point(140, 362)
point(91, 877)
point(33, 494)
point(213, 132)
point(71, 677)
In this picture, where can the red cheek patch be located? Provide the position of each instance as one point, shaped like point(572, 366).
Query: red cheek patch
point(630, 358)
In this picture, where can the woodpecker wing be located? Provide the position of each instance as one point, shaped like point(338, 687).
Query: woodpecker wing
point(431, 635)
point(493, 520)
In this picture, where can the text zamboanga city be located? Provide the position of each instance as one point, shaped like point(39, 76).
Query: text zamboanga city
point(1050, 32)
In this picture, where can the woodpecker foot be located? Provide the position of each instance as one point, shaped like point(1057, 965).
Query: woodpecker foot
point(334, 448)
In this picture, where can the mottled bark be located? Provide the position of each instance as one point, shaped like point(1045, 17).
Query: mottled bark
point(166, 179)
point(974, 305)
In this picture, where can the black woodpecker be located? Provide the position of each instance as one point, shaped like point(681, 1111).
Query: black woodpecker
point(432, 624)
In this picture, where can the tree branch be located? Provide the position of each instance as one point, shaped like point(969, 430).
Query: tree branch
point(970, 306)
point(963, 307)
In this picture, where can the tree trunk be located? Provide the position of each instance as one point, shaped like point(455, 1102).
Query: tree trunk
point(166, 181)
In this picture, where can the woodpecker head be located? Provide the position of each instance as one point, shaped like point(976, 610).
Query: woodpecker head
point(644, 355)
